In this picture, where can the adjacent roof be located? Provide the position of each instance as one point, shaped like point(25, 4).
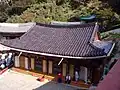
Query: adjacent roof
point(66, 23)
point(72, 40)
point(15, 27)
point(4, 48)
point(106, 46)
point(112, 80)
point(115, 31)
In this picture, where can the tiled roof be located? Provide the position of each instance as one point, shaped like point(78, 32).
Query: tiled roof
point(105, 45)
point(15, 27)
point(73, 40)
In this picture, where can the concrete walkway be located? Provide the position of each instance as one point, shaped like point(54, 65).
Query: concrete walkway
point(12, 80)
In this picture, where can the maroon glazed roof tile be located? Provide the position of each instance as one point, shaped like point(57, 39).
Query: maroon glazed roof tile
point(112, 80)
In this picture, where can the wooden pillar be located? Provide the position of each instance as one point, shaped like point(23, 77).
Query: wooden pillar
point(64, 69)
point(44, 66)
point(71, 70)
point(32, 63)
point(22, 62)
point(96, 75)
point(26, 63)
point(16, 61)
point(50, 65)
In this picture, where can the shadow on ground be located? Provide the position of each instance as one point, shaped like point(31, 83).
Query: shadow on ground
point(57, 86)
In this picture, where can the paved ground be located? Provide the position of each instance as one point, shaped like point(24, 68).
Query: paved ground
point(12, 80)
point(17, 81)
point(57, 86)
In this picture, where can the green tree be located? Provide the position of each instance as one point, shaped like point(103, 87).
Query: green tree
point(47, 10)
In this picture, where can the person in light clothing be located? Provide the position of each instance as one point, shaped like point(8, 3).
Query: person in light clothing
point(9, 59)
point(68, 79)
point(2, 62)
point(76, 76)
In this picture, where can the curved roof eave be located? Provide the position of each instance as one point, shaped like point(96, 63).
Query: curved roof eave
point(53, 55)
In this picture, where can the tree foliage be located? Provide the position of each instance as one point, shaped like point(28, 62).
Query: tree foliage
point(45, 11)
point(13, 7)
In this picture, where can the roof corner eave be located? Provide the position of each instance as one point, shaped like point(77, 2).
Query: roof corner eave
point(109, 53)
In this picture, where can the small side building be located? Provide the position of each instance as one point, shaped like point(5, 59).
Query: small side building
point(13, 30)
point(50, 49)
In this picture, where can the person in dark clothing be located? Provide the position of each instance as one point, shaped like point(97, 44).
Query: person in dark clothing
point(41, 79)
point(59, 79)
point(68, 79)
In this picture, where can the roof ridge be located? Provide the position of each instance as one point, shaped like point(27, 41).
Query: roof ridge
point(26, 24)
point(66, 26)
point(94, 31)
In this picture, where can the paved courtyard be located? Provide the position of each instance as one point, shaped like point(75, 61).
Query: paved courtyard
point(57, 86)
point(12, 80)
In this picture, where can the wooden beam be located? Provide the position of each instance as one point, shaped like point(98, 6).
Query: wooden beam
point(60, 61)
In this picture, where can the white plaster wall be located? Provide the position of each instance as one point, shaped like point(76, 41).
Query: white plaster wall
point(32, 63)
point(26, 63)
point(50, 67)
point(16, 62)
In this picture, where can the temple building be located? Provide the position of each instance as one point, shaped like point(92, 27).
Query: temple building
point(50, 49)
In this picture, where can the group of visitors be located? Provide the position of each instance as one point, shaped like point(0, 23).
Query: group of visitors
point(67, 78)
point(6, 60)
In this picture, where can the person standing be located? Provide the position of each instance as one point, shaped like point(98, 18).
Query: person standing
point(3, 63)
point(9, 59)
point(68, 79)
point(76, 76)
point(59, 79)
